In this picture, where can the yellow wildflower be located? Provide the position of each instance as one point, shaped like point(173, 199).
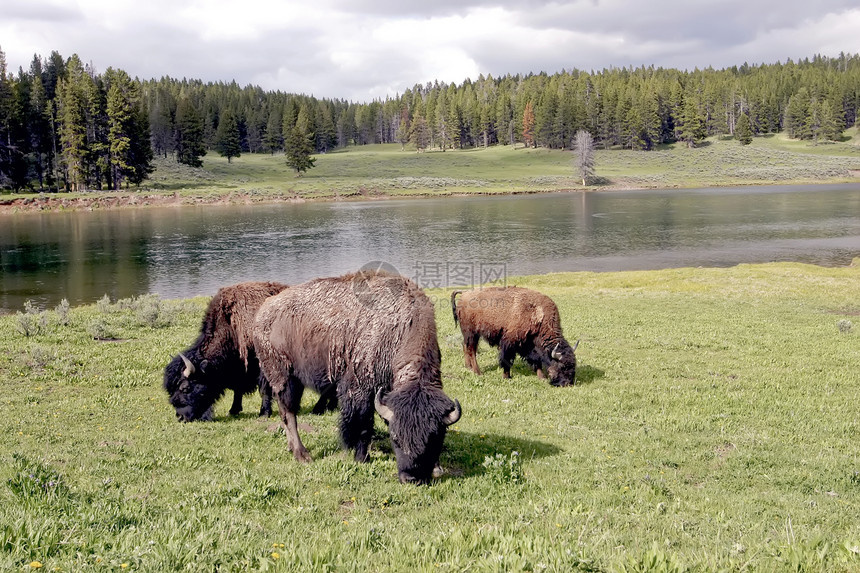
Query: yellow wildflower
point(276, 555)
point(35, 564)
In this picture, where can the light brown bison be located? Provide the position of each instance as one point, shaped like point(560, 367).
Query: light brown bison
point(518, 321)
point(223, 358)
point(372, 335)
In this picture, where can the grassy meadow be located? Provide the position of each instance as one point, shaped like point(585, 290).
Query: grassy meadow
point(387, 170)
point(715, 426)
point(376, 171)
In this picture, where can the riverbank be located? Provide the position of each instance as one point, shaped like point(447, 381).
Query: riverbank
point(385, 171)
point(713, 413)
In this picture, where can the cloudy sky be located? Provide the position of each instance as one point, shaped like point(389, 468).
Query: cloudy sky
point(365, 49)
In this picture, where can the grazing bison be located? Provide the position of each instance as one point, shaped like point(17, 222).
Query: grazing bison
point(518, 321)
point(372, 335)
point(223, 356)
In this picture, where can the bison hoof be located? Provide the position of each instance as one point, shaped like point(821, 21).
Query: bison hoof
point(235, 412)
point(265, 412)
point(303, 456)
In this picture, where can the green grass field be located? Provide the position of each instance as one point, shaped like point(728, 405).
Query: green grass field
point(714, 427)
point(374, 171)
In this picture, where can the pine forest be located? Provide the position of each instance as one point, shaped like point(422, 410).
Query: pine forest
point(64, 126)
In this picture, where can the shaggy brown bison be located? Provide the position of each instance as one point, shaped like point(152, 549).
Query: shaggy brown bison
point(223, 358)
point(518, 321)
point(372, 335)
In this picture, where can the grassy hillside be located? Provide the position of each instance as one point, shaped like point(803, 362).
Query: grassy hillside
point(386, 170)
point(714, 426)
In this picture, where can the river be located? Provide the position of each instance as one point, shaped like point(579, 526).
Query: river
point(451, 241)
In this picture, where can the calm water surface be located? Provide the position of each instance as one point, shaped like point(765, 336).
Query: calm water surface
point(181, 252)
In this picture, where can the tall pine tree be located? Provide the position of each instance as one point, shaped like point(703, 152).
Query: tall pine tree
point(227, 141)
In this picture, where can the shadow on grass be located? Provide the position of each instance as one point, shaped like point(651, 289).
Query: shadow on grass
point(598, 181)
point(585, 374)
point(465, 452)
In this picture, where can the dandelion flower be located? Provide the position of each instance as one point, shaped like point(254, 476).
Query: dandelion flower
point(276, 555)
point(124, 566)
point(35, 564)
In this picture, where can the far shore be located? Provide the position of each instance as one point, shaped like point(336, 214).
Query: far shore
point(385, 171)
point(107, 200)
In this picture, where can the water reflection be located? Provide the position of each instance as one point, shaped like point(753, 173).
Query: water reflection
point(179, 252)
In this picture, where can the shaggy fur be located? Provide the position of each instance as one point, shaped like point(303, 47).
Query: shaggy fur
point(223, 356)
point(365, 333)
point(518, 321)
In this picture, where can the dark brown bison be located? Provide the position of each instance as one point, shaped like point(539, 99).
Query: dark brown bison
point(223, 358)
point(518, 321)
point(372, 335)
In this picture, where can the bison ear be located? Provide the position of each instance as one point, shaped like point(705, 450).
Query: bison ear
point(203, 366)
point(381, 409)
point(453, 415)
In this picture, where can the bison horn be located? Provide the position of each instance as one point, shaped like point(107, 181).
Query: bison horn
point(189, 366)
point(575, 346)
point(555, 353)
point(453, 415)
point(381, 409)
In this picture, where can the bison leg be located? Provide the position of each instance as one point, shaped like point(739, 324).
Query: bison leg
point(470, 348)
point(265, 390)
point(506, 358)
point(236, 408)
point(327, 401)
point(289, 400)
point(356, 424)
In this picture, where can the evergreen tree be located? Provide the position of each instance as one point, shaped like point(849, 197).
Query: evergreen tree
point(583, 153)
point(298, 148)
point(7, 150)
point(189, 134)
point(121, 102)
point(403, 130)
point(140, 152)
point(692, 121)
point(273, 140)
point(420, 134)
point(227, 141)
point(72, 119)
point(39, 125)
point(797, 115)
point(162, 113)
point(743, 130)
point(832, 123)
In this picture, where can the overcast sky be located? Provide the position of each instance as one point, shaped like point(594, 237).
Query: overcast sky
point(364, 49)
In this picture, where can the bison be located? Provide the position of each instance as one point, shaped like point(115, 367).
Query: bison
point(223, 357)
point(518, 321)
point(373, 336)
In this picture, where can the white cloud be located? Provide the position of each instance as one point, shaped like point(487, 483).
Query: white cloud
point(364, 49)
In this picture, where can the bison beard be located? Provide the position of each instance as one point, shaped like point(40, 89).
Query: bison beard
point(518, 321)
point(373, 336)
point(223, 358)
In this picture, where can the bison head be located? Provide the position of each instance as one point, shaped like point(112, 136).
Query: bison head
point(189, 394)
point(562, 366)
point(418, 420)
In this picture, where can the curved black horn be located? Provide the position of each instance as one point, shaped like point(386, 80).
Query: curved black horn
point(453, 415)
point(381, 409)
point(189, 366)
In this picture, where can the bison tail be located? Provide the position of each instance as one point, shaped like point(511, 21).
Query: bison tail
point(454, 305)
